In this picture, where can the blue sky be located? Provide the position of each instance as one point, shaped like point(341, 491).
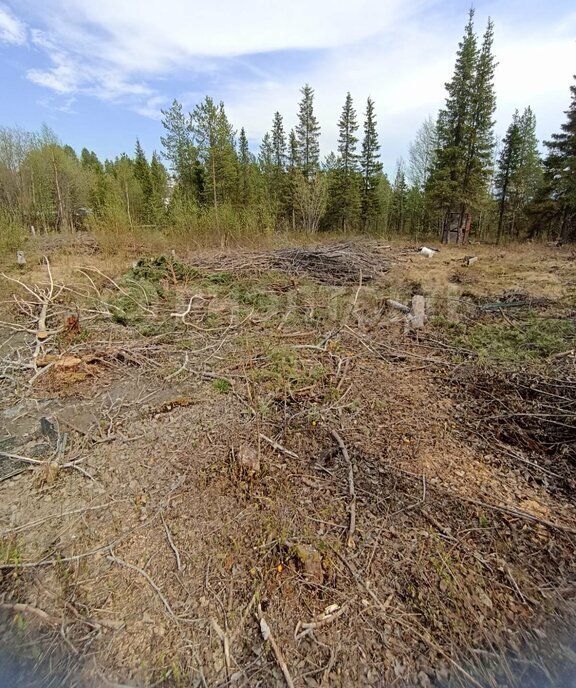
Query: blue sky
point(99, 72)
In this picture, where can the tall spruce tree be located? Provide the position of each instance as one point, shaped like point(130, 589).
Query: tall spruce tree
point(345, 188)
point(459, 182)
point(397, 219)
point(518, 174)
point(308, 134)
point(244, 169)
point(370, 168)
point(279, 142)
point(560, 174)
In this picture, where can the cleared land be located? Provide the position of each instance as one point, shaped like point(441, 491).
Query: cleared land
point(242, 468)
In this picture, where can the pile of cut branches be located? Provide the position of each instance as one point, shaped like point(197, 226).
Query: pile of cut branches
point(533, 411)
point(342, 263)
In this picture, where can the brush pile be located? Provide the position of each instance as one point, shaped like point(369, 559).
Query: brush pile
point(343, 263)
point(531, 411)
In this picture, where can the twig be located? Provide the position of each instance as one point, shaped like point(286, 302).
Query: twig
point(351, 488)
point(171, 543)
point(226, 644)
point(25, 459)
point(182, 368)
point(153, 585)
point(267, 636)
point(327, 616)
point(278, 446)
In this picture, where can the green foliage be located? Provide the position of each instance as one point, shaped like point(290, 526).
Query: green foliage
point(460, 178)
point(9, 552)
point(371, 169)
point(518, 175)
point(344, 181)
point(532, 339)
point(560, 176)
point(163, 267)
point(308, 134)
point(221, 385)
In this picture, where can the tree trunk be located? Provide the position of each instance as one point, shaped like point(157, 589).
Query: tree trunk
point(127, 196)
point(60, 218)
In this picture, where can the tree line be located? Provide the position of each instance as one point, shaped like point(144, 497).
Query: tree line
point(207, 177)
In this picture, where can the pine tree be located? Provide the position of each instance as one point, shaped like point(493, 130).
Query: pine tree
point(308, 134)
point(459, 182)
point(370, 168)
point(180, 151)
point(214, 138)
point(560, 173)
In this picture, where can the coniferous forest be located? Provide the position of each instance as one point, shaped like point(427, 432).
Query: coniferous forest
point(207, 179)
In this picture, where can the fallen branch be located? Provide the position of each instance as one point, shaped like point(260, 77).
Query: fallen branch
point(171, 543)
point(152, 584)
point(351, 488)
point(397, 305)
point(327, 616)
point(278, 446)
point(268, 637)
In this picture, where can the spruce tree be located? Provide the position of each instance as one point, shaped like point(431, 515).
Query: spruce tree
point(278, 142)
point(518, 173)
point(399, 199)
point(560, 173)
point(245, 169)
point(159, 189)
point(344, 195)
point(308, 134)
point(141, 170)
point(370, 168)
point(459, 182)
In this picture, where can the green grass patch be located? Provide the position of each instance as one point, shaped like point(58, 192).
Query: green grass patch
point(531, 339)
point(221, 385)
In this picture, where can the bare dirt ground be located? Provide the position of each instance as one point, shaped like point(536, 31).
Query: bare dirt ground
point(243, 469)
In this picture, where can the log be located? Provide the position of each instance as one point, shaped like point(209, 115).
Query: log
point(397, 305)
point(470, 260)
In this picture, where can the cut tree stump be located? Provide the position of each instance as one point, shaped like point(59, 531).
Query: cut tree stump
point(417, 316)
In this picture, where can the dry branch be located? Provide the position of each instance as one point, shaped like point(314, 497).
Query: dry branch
point(268, 637)
point(351, 488)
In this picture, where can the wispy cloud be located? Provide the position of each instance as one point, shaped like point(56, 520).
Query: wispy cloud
point(12, 30)
point(140, 54)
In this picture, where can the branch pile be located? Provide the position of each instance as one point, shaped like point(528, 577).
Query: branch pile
point(343, 263)
point(531, 411)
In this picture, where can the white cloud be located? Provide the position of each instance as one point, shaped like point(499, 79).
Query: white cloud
point(135, 52)
point(12, 30)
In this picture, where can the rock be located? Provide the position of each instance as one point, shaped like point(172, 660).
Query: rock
point(248, 460)
point(310, 561)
